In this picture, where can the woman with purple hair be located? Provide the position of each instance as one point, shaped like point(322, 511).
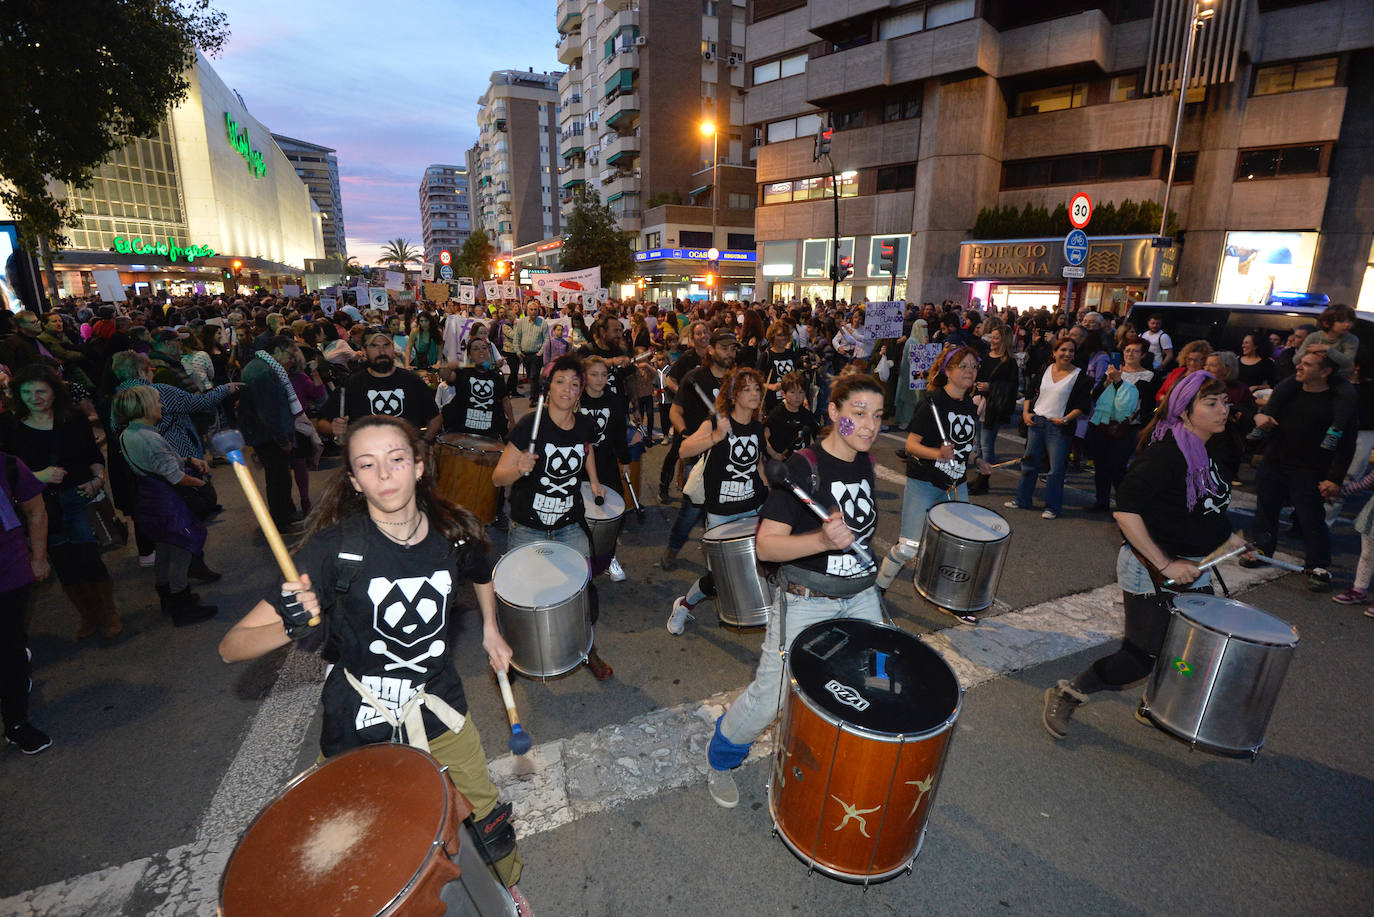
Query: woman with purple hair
point(1171, 508)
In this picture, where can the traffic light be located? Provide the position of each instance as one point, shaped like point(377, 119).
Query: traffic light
point(846, 267)
point(499, 268)
point(823, 136)
point(887, 257)
point(710, 280)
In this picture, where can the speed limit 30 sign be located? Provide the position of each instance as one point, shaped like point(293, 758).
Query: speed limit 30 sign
point(1080, 210)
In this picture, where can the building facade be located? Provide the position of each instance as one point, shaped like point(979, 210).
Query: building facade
point(318, 167)
point(512, 168)
point(444, 216)
point(941, 109)
point(644, 77)
point(209, 194)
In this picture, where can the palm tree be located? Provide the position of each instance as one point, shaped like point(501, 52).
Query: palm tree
point(400, 253)
point(349, 266)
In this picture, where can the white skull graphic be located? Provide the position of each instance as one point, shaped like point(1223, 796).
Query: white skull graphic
point(388, 401)
point(481, 392)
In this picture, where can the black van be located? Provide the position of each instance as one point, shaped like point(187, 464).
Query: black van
point(1224, 325)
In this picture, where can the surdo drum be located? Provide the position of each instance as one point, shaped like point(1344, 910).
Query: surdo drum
point(1219, 673)
point(463, 468)
point(375, 831)
point(743, 593)
point(542, 608)
point(963, 549)
point(603, 521)
point(865, 729)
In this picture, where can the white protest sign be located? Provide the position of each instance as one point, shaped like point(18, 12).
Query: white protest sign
point(510, 290)
point(467, 294)
point(884, 319)
point(491, 289)
point(566, 296)
point(589, 302)
point(603, 294)
point(290, 289)
point(328, 304)
point(427, 272)
point(376, 297)
point(548, 299)
point(922, 359)
point(665, 303)
point(395, 280)
point(588, 279)
point(110, 286)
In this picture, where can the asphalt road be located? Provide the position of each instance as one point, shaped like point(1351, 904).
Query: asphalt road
point(160, 747)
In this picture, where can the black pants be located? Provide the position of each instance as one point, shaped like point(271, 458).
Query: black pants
point(276, 462)
point(14, 661)
point(513, 364)
point(1147, 621)
point(77, 563)
point(534, 362)
point(665, 475)
point(1111, 456)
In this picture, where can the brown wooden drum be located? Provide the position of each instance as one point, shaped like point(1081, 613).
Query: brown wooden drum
point(463, 467)
point(865, 727)
point(374, 831)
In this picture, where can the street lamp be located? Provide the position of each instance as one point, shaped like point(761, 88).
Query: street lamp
point(709, 127)
point(1202, 11)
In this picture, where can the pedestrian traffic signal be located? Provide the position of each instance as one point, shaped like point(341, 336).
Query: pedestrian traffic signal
point(822, 143)
point(887, 257)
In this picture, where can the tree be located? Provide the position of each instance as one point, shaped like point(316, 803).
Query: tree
point(400, 253)
point(474, 258)
point(348, 265)
point(593, 239)
point(79, 85)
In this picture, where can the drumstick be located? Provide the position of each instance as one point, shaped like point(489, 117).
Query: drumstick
point(229, 443)
point(538, 416)
point(520, 742)
point(1213, 561)
point(938, 424)
point(711, 405)
point(1275, 562)
point(639, 510)
point(777, 476)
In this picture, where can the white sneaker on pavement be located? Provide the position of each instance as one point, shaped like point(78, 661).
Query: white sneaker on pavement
point(723, 788)
point(677, 621)
point(147, 560)
point(616, 572)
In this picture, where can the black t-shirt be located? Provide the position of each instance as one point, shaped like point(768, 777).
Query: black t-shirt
point(774, 366)
point(694, 410)
point(1154, 489)
point(789, 431)
point(550, 496)
point(683, 365)
point(478, 405)
point(617, 376)
point(401, 394)
point(960, 420)
point(848, 485)
point(1261, 373)
point(404, 602)
point(733, 483)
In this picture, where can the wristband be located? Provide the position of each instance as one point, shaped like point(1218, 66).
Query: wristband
point(293, 615)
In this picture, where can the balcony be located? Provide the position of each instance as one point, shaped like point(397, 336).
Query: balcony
point(569, 107)
point(569, 48)
point(621, 112)
point(570, 79)
point(569, 15)
point(620, 151)
point(623, 57)
point(615, 6)
point(624, 19)
point(617, 182)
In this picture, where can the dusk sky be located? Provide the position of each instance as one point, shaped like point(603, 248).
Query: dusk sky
point(391, 93)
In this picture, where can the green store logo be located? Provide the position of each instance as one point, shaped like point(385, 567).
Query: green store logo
point(169, 249)
point(238, 139)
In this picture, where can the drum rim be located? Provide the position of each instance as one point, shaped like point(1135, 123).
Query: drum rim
point(586, 574)
point(455, 441)
point(304, 775)
point(936, 525)
point(1231, 635)
point(706, 535)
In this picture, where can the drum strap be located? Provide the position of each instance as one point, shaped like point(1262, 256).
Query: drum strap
point(410, 719)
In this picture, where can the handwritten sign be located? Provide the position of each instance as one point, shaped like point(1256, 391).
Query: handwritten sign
point(884, 319)
point(923, 357)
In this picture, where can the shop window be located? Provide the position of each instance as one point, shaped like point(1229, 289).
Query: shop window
point(1280, 162)
point(777, 192)
point(1054, 98)
point(1294, 77)
point(897, 178)
point(902, 109)
point(815, 257)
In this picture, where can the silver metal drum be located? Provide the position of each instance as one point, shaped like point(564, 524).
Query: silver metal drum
point(743, 593)
point(604, 521)
point(1219, 673)
point(963, 549)
point(542, 607)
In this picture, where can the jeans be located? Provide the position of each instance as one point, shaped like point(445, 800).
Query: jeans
point(688, 513)
point(1045, 439)
point(920, 496)
point(988, 444)
point(1277, 487)
point(571, 534)
point(753, 710)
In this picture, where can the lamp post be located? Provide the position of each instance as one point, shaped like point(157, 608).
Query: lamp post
point(1202, 11)
point(709, 127)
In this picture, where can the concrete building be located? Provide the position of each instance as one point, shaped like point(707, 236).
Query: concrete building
point(209, 193)
point(318, 167)
point(444, 215)
point(642, 79)
point(943, 108)
point(512, 167)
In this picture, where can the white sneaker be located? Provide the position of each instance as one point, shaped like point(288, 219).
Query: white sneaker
point(678, 619)
point(147, 560)
point(1049, 514)
point(616, 572)
point(723, 788)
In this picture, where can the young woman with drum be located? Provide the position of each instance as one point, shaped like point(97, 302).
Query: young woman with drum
point(379, 571)
point(606, 411)
point(732, 439)
point(480, 405)
point(1054, 401)
point(545, 459)
point(819, 578)
point(941, 442)
point(1171, 508)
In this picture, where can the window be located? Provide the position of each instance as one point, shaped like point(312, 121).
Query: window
point(708, 47)
point(938, 14)
point(1280, 162)
point(777, 69)
point(688, 238)
point(902, 24)
point(815, 257)
point(847, 120)
point(1124, 88)
point(653, 239)
point(708, 7)
point(777, 192)
point(739, 241)
point(1087, 167)
point(1312, 74)
point(738, 201)
point(708, 90)
point(875, 268)
point(897, 178)
point(902, 109)
point(779, 259)
point(782, 130)
point(1055, 98)
point(816, 188)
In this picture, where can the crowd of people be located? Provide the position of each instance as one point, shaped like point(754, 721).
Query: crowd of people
point(132, 393)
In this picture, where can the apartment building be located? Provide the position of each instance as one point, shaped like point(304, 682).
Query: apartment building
point(512, 168)
point(651, 119)
point(943, 108)
point(444, 216)
point(318, 168)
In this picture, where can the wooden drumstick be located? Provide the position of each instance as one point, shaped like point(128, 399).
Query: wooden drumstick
point(520, 742)
point(538, 416)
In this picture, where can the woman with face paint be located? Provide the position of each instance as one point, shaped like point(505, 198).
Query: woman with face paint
point(941, 442)
point(819, 578)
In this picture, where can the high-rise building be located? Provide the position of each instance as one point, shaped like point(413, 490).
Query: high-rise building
point(643, 80)
point(512, 167)
point(444, 209)
point(948, 109)
point(318, 167)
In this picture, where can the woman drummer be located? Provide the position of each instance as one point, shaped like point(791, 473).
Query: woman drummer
point(605, 409)
point(941, 441)
point(734, 468)
point(544, 468)
point(1171, 508)
point(380, 569)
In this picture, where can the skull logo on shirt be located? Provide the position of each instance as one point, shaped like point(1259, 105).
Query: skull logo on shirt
point(387, 401)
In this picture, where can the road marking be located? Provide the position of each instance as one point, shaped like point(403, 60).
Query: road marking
point(572, 778)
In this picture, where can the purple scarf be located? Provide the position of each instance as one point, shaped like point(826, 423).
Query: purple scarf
point(1198, 479)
